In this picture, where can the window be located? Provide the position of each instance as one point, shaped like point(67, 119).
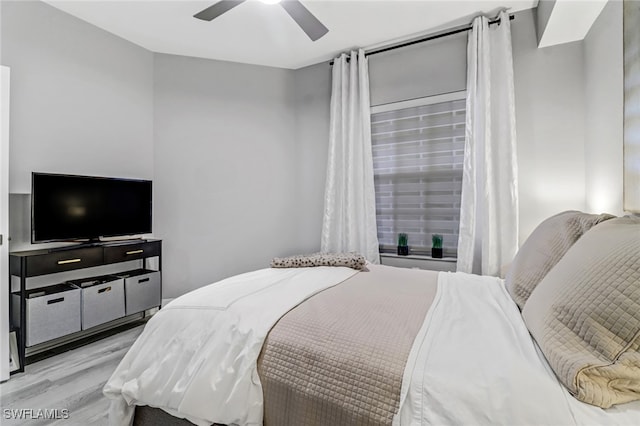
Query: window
point(418, 150)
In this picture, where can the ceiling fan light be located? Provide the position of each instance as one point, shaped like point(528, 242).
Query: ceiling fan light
point(270, 1)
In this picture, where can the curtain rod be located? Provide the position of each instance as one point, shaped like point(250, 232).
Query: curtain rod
point(430, 37)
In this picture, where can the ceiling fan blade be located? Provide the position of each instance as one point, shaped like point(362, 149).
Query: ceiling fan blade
point(217, 9)
point(305, 19)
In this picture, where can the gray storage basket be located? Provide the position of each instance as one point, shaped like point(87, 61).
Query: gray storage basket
point(143, 290)
point(50, 313)
point(102, 299)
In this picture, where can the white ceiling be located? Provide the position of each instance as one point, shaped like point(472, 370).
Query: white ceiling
point(257, 33)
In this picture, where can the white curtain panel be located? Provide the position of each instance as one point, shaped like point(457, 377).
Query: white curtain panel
point(488, 237)
point(349, 221)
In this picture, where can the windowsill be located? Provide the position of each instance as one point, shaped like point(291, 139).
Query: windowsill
point(420, 257)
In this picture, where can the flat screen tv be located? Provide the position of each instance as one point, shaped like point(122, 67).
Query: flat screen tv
point(76, 208)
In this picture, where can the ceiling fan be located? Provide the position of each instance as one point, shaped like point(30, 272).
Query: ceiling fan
point(305, 19)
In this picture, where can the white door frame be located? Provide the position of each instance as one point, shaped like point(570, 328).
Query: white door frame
point(4, 222)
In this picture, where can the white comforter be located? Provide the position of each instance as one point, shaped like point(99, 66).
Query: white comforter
point(197, 357)
point(474, 363)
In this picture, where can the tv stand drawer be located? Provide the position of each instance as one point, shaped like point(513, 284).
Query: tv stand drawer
point(66, 260)
point(124, 252)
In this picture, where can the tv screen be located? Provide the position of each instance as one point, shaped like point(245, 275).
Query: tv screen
point(68, 207)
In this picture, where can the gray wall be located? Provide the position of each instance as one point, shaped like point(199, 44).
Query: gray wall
point(550, 96)
point(425, 69)
point(240, 164)
point(81, 98)
point(225, 168)
point(603, 56)
point(312, 96)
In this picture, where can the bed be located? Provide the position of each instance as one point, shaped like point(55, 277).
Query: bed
point(377, 345)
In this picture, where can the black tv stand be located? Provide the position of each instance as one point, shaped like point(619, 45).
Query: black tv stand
point(37, 263)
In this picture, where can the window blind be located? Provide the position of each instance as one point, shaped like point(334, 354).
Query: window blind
point(417, 158)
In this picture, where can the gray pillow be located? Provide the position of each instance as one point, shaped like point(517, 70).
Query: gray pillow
point(544, 248)
point(585, 315)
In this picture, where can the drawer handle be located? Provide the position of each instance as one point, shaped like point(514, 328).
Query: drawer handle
point(135, 252)
point(64, 262)
point(143, 280)
point(52, 301)
point(102, 290)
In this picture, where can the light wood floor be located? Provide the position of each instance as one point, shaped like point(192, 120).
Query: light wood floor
point(72, 380)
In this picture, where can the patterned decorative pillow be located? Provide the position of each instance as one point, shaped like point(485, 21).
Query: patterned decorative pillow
point(350, 260)
point(585, 315)
point(544, 248)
